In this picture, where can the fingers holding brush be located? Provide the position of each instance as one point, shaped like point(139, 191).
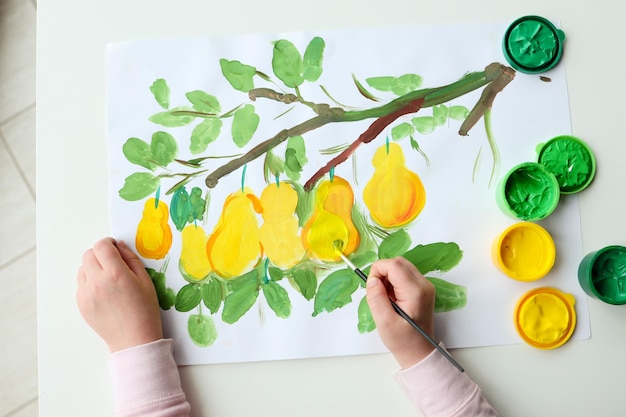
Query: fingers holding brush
point(398, 280)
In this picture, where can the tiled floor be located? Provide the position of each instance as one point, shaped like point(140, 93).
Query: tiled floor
point(18, 322)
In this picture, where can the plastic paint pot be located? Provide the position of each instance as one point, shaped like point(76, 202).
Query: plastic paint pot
point(545, 317)
point(602, 274)
point(524, 251)
point(570, 160)
point(532, 44)
point(528, 192)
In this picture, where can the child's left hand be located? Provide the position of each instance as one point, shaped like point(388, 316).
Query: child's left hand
point(116, 296)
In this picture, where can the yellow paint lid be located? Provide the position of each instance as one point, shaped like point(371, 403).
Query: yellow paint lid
point(525, 251)
point(545, 317)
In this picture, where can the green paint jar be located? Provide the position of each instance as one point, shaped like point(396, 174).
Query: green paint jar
point(570, 160)
point(532, 44)
point(602, 274)
point(528, 192)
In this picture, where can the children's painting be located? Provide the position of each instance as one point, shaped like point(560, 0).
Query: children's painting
point(240, 166)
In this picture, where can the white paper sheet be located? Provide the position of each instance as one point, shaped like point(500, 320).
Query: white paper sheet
point(460, 207)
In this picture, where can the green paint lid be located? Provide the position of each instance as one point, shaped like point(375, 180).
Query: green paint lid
point(532, 44)
point(570, 160)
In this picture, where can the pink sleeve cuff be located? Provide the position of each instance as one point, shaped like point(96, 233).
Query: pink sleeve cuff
point(439, 389)
point(146, 381)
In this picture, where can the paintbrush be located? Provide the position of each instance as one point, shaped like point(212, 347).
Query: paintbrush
point(338, 244)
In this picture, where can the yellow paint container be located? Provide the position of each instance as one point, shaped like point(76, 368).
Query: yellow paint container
point(545, 317)
point(525, 251)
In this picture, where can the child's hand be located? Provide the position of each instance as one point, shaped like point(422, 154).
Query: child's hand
point(116, 296)
point(399, 280)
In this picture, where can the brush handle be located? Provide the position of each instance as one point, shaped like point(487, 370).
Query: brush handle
point(416, 326)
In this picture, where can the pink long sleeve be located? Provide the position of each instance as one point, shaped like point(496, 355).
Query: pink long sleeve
point(438, 389)
point(146, 382)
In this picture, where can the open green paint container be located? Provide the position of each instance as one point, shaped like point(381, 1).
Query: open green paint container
point(570, 160)
point(602, 274)
point(528, 192)
point(532, 44)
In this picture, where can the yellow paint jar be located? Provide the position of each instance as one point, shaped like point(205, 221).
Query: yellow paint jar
point(525, 251)
point(545, 317)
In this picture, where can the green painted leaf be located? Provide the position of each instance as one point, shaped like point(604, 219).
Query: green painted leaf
point(366, 321)
point(245, 123)
point(364, 92)
point(448, 296)
point(306, 282)
point(278, 299)
point(161, 92)
point(239, 75)
point(394, 244)
point(202, 330)
point(424, 124)
point(138, 152)
point(204, 102)
point(243, 295)
point(273, 166)
point(188, 297)
point(364, 258)
point(276, 274)
point(287, 63)
point(335, 291)
point(437, 256)
point(197, 205)
point(203, 134)
point(406, 83)
point(381, 83)
point(166, 296)
point(212, 294)
point(458, 112)
point(401, 131)
point(139, 185)
point(312, 62)
point(163, 148)
point(180, 208)
point(295, 157)
point(440, 114)
point(172, 118)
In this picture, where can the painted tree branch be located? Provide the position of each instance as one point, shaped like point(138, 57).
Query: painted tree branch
point(369, 135)
point(402, 105)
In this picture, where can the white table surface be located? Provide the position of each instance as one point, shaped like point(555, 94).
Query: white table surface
point(581, 378)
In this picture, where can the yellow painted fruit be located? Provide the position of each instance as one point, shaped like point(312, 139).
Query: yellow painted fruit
point(331, 221)
point(394, 195)
point(234, 246)
point(279, 232)
point(154, 235)
point(193, 257)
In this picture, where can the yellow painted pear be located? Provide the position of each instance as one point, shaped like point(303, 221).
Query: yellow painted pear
point(279, 232)
point(394, 195)
point(331, 221)
point(193, 257)
point(154, 235)
point(234, 246)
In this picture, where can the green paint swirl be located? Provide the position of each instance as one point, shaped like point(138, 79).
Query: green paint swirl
point(533, 44)
point(609, 275)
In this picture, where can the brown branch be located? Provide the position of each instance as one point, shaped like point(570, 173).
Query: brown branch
point(501, 78)
point(366, 137)
point(272, 95)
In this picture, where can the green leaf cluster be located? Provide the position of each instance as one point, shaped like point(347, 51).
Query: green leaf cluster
point(397, 85)
point(186, 208)
point(292, 164)
point(292, 68)
point(166, 296)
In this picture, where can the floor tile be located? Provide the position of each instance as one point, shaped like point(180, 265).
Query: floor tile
point(17, 218)
point(18, 326)
point(17, 56)
point(19, 133)
point(28, 410)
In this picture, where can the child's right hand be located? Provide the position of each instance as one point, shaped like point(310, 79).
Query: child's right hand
point(400, 280)
point(116, 296)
